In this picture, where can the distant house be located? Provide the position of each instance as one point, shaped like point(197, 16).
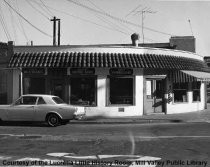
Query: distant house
point(116, 79)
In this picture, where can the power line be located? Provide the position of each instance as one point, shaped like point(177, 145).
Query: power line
point(133, 10)
point(21, 24)
point(114, 26)
point(116, 18)
point(13, 25)
point(27, 20)
point(46, 8)
point(4, 26)
point(89, 21)
point(37, 9)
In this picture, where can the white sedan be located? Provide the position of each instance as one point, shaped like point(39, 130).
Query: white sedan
point(41, 108)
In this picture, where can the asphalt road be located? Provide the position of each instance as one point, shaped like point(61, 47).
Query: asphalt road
point(179, 144)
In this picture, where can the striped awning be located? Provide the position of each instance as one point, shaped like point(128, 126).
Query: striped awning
point(200, 76)
point(189, 76)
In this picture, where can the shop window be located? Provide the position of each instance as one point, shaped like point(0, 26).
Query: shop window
point(180, 92)
point(196, 91)
point(83, 91)
point(34, 86)
point(121, 90)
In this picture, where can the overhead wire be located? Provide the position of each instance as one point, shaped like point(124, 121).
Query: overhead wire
point(91, 22)
point(41, 31)
point(116, 18)
point(13, 25)
point(86, 20)
point(4, 25)
point(47, 8)
point(115, 26)
point(41, 7)
point(37, 9)
point(21, 23)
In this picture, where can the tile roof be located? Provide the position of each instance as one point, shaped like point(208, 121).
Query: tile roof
point(109, 60)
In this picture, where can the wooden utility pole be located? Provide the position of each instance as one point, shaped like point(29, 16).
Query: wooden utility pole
point(59, 31)
point(54, 30)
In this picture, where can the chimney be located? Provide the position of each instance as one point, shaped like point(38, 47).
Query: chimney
point(186, 43)
point(135, 39)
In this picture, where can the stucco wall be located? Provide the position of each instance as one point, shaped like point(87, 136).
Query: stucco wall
point(13, 85)
point(189, 106)
point(105, 110)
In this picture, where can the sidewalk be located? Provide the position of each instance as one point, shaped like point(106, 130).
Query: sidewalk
point(199, 116)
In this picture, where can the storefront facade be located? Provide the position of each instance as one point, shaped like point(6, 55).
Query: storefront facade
point(115, 81)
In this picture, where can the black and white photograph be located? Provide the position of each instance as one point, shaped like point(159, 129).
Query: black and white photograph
point(105, 83)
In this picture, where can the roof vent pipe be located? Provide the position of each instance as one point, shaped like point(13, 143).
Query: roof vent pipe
point(135, 39)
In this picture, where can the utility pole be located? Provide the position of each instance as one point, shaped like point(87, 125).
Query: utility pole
point(59, 31)
point(54, 30)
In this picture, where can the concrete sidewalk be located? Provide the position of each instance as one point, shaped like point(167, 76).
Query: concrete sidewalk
point(199, 116)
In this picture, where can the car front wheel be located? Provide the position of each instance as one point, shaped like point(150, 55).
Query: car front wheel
point(53, 120)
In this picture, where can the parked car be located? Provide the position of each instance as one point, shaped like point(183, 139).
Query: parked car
point(42, 108)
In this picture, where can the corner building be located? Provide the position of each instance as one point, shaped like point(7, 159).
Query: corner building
point(114, 80)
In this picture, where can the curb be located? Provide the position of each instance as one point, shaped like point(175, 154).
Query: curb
point(127, 121)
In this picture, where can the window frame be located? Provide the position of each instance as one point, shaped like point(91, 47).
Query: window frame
point(196, 89)
point(95, 88)
point(19, 99)
point(187, 90)
point(42, 99)
point(108, 103)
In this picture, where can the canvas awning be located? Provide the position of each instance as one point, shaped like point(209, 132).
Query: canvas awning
point(200, 76)
point(189, 76)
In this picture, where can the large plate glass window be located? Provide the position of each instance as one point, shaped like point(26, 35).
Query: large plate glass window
point(196, 91)
point(83, 91)
point(34, 85)
point(180, 92)
point(121, 90)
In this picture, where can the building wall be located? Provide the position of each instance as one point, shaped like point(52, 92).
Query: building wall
point(105, 110)
point(13, 87)
point(189, 106)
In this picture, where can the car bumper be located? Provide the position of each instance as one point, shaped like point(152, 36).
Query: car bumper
point(80, 113)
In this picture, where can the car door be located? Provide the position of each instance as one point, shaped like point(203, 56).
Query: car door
point(23, 109)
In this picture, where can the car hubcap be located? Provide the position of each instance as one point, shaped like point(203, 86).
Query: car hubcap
point(53, 120)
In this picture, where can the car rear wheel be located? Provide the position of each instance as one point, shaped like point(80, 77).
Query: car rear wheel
point(53, 120)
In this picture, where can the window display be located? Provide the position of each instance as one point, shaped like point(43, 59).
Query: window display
point(34, 85)
point(180, 92)
point(83, 91)
point(121, 90)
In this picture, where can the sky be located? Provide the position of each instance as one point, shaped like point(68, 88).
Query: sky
point(105, 21)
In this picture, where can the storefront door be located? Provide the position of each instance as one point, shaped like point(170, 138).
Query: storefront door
point(153, 96)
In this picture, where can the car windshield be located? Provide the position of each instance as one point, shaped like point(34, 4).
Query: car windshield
point(58, 100)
